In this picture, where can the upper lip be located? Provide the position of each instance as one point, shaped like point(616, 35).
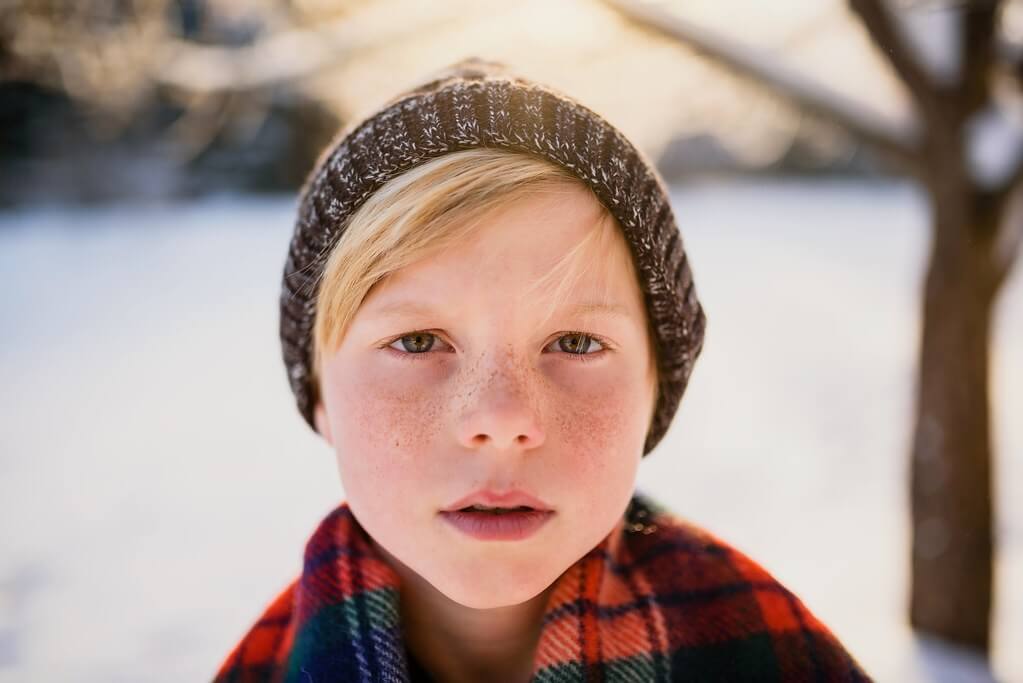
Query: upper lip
point(490, 498)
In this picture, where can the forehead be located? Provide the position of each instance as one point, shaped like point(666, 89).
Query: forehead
point(559, 243)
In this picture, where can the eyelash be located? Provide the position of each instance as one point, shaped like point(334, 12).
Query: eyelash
point(579, 357)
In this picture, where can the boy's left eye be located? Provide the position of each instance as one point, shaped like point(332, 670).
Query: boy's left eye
point(572, 343)
point(579, 343)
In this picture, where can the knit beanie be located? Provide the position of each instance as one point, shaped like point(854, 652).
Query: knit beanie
point(476, 103)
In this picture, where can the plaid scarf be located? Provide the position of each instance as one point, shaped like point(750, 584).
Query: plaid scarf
point(657, 600)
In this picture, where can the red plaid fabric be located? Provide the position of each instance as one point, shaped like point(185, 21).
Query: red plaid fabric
point(657, 600)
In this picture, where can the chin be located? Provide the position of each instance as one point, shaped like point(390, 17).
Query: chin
point(499, 590)
point(476, 599)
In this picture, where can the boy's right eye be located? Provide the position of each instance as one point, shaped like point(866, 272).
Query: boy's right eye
point(413, 345)
point(417, 342)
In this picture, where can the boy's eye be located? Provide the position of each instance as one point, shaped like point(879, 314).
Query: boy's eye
point(578, 343)
point(575, 343)
point(417, 342)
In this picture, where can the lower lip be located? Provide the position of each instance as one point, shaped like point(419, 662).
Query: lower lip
point(508, 526)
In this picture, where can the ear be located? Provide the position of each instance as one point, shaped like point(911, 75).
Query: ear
point(322, 425)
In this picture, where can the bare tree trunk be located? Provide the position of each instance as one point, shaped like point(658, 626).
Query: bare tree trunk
point(951, 461)
point(951, 470)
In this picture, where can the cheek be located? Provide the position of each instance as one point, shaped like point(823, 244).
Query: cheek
point(589, 423)
point(387, 412)
point(601, 428)
point(382, 427)
point(600, 422)
point(597, 405)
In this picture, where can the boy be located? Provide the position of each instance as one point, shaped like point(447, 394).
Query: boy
point(488, 314)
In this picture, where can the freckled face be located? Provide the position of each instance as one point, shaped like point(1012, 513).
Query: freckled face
point(449, 380)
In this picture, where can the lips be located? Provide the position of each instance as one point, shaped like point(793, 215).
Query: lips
point(512, 525)
point(496, 503)
point(496, 510)
point(488, 515)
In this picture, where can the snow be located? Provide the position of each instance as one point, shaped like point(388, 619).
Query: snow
point(157, 484)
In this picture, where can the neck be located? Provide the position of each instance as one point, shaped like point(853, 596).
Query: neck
point(455, 643)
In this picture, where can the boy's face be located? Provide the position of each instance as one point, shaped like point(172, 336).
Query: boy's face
point(486, 396)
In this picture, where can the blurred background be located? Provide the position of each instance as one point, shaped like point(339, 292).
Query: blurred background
point(847, 179)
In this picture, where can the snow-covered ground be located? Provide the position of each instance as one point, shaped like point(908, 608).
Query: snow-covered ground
point(157, 484)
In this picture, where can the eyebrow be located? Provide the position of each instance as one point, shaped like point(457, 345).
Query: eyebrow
point(598, 308)
point(400, 308)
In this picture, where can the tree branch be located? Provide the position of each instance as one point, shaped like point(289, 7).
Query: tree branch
point(295, 53)
point(891, 40)
point(888, 138)
point(978, 50)
point(290, 55)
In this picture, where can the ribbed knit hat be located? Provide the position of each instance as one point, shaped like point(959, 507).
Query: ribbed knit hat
point(477, 103)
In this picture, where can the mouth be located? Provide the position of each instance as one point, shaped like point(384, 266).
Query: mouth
point(489, 501)
point(497, 524)
point(495, 510)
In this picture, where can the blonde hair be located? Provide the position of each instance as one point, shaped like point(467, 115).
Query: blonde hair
point(438, 204)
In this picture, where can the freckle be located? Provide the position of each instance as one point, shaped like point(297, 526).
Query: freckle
point(431, 411)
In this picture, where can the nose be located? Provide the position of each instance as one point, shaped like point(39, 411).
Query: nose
point(501, 412)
